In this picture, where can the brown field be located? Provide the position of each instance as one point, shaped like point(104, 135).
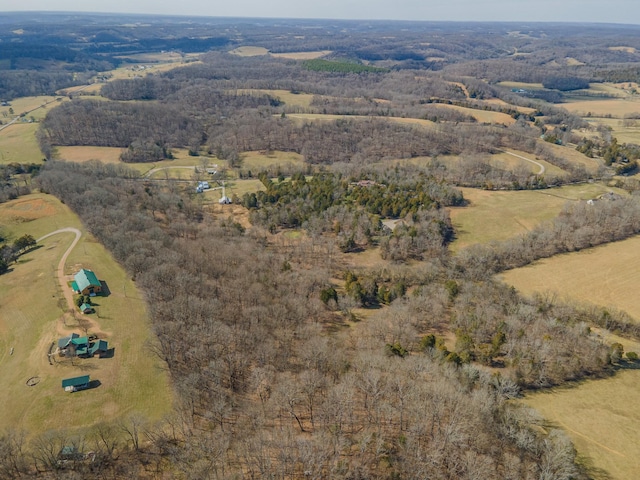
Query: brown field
point(571, 154)
point(162, 57)
point(302, 55)
point(623, 49)
point(602, 419)
point(626, 131)
point(603, 276)
point(617, 107)
point(86, 153)
point(502, 103)
point(262, 160)
point(31, 314)
point(526, 86)
point(249, 51)
point(483, 116)
point(500, 215)
point(326, 117)
point(293, 99)
point(18, 144)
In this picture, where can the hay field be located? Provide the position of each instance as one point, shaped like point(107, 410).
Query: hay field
point(293, 99)
point(85, 153)
point(302, 55)
point(616, 107)
point(26, 104)
point(134, 380)
point(601, 418)
point(602, 275)
point(500, 215)
point(571, 154)
point(525, 86)
point(482, 116)
point(18, 144)
point(626, 131)
point(249, 51)
point(329, 117)
point(257, 161)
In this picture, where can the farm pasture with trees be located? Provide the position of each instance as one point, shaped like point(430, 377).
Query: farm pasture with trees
point(321, 326)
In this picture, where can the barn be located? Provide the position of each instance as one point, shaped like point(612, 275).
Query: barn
point(85, 282)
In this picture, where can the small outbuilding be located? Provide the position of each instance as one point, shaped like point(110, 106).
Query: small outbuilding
point(86, 308)
point(85, 282)
point(76, 383)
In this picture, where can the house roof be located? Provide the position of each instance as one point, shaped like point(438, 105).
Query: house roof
point(86, 278)
point(64, 342)
point(99, 346)
point(75, 382)
point(79, 341)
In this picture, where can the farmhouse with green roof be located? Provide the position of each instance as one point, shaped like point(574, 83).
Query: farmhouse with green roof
point(85, 282)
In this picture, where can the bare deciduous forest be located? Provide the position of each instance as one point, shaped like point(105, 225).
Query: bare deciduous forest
point(276, 371)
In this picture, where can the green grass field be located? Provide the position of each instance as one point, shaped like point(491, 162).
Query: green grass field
point(499, 215)
point(257, 161)
point(134, 380)
point(18, 144)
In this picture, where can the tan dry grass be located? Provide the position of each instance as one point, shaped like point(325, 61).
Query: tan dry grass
point(18, 143)
point(249, 51)
point(483, 116)
point(621, 48)
point(328, 117)
point(626, 131)
point(86, 153)
point(601, 418)
point(617, 107)
point(500, 215)
point(256, 161)
point(293, 99)
point(132, 381)
point(603, 276)
point(302, 55)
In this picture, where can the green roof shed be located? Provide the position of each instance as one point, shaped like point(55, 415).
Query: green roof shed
point(86, 282)
point(82, 381)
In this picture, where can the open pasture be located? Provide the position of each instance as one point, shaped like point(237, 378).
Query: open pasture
point(601, 417)
point(613, 107)
point(85, 153)
point(306, 117)
point(602, 275)
point(31, 318)
point(286, 96)
point(249, 51)
point(500, 215)
point(302, 55)
point(626, 131)
point(31, 106)
point(257, 161)
point(18, 143)
point(482, 116)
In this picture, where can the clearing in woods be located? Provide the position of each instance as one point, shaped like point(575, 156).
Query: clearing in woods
point(32, 317)
point(18, 143)
point(302, 55)
point(286, 96)
point(601, 275)
point(510, 213)
point(601, 417)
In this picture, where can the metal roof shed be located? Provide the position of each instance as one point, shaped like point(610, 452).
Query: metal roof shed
point(75, 383)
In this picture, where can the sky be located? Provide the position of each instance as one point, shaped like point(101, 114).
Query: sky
point(607, 11)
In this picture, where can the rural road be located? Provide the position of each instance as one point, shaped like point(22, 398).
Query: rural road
point(68, 294)
point(542, 169)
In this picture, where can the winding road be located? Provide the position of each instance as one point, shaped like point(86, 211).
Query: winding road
point(68, 294)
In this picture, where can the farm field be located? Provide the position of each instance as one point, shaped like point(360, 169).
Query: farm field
point(18, 144)
point(329, 117)
point(292, 99)
point(602, 275)
point(249, 51)
point(626, 131)
point(31, 318)
point(302, 55)
point(482, 116)
point(261, 160)
point(602, 419)
point(616, 107)
point(82, 154)
point(509, 213)
point(26, 104)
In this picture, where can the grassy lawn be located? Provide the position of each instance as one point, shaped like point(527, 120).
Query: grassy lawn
point(134, 380)
point(18, 144)
point(499, 215)
point(603, 275)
